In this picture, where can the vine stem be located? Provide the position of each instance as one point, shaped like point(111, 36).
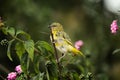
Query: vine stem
point(56, 54)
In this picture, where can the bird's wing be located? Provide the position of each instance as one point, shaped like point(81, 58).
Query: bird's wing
point(67, 38)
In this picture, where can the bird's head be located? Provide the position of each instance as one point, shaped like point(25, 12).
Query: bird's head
point(56, 26)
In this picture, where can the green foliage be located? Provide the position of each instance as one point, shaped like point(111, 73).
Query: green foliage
point(51, 69)
point(25, 63)
point(20, 49)
point(45, 48)
point(4, 30)
point(20, 77)
point(29, 47)
point(40, 76)
point(38, 61)
point(82, 20)
point(8, 50)
point(20, 32)
point(11, 31)
point(8, 30)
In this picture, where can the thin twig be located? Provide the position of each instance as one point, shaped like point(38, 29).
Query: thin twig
point(4, 68)
point(56, 54)
point(45, 33)
point(2, 77)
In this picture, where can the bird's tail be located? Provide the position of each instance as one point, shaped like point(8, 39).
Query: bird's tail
point(75, 51)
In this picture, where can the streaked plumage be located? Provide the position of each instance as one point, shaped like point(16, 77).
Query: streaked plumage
point(62, 40)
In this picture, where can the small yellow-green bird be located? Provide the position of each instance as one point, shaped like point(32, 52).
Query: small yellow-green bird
point(62, 40)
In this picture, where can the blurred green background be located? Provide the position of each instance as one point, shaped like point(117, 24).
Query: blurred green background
point(86, 20)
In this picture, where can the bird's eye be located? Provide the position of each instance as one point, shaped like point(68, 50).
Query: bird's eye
point(54, 26)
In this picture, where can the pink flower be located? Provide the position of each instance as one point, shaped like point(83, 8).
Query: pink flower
point(12, 76)
point(114, 27)
point(18, 69)
point(78, 44)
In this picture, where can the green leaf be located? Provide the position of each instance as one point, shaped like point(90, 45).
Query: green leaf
point(36, 62)
point(47, 74)
point(116, 51)
point(9, 47)
point(11, 31)
point(44, 45)
point(4, 30)
point(20, 77)
point(29, 47)
point(52, 70)
point(25, 63)
point(20, 49)
point(40, 76)
point(75, 76)
point(20, 32)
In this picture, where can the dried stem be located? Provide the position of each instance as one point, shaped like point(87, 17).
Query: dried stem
point(56, 54)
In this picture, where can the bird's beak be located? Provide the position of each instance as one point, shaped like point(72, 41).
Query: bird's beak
point(49, 26)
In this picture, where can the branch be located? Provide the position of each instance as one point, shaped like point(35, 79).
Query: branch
point(56, 54)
